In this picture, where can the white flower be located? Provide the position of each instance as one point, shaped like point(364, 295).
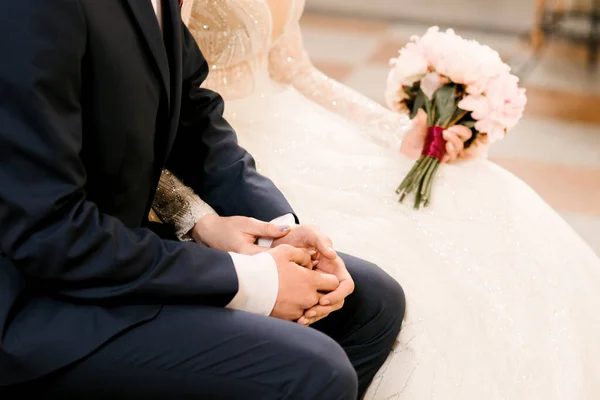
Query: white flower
point(409, 67)
point(394, 92)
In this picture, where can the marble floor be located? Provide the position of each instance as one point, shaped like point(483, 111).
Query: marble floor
point(556, 147)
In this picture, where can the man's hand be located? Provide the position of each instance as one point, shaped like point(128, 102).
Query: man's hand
point(308, 237)
point(456, 136)
point(333, 301)
point(300, 288)
point(235, 234)
point(326, 261)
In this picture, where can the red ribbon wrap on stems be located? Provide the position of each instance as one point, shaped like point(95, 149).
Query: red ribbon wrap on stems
point(435, 144)
point(420, 178)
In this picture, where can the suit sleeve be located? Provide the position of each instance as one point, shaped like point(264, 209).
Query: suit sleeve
point(57, 238)
point(206, 154)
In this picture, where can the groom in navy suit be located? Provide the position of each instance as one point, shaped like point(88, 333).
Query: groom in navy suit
point(96, 301)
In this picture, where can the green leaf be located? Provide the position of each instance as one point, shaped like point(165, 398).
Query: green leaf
point(445, 104)
point(428, 109)
point(419, 103)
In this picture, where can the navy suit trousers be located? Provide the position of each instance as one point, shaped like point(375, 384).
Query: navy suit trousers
point(216, 353)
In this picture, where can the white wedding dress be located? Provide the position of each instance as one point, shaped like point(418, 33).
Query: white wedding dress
point(503, 296)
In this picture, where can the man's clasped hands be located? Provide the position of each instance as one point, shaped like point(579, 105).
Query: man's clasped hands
point(313, 279)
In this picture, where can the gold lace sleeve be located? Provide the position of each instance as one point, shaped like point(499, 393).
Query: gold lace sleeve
point(176, 204)
point(290, 64)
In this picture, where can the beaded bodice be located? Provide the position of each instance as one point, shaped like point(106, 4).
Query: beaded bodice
point(251, 44)
point(236, 37)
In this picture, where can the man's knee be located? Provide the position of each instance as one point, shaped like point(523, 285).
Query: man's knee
point(379, 293)
point(391, 304)
point(326, 371)
point(394, 298)
point(342, 382)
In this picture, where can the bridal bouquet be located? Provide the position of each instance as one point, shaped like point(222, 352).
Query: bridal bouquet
point(456, 82)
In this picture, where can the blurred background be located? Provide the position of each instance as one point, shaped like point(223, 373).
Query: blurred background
point(551, 44)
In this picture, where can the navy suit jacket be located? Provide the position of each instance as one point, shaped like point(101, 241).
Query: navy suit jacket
point(94, 103)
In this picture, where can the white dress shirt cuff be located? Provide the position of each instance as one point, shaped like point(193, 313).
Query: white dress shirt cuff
point(284, 220)
point(258, 283)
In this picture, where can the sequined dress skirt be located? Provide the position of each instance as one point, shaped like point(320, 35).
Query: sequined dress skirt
point(503, 296)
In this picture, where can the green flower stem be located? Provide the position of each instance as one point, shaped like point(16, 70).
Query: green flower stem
point(419, 180)
point(427, 187)
point(418, 195)
point(458, 118)
point(425, 182)
point(430, 183)
point(409, 177)
point(428, 176)
point(419, 176)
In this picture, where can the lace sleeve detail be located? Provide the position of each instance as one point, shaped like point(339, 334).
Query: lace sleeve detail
point(178, 205)
point(290, 64)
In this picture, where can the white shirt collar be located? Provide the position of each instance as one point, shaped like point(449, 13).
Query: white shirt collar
point(158, 10)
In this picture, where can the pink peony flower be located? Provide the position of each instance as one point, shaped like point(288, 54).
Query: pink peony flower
point(463, 61)
point(498, 108)
point(485, 65)
point(437, 46)
point(493, 96)
point(471, 64)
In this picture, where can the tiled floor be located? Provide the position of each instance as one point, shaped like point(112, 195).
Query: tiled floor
point(555, 148)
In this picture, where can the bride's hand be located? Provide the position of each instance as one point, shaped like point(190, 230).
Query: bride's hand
point(477, 149)
point(456, 136)
point(235, 234)
point(308, 237)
